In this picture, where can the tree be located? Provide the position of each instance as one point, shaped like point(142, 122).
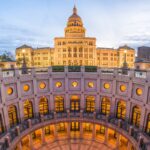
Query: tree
point(6, 56)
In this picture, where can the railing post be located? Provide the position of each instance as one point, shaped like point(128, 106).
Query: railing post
point(29, 123)
point(148, 75)
point(18, 130)
point(131, 73)
point(66, 69)
point(55, 115)
point(115, 72)
point(140, 141)
point(82, 69)
point(131, 130)
point(1, 73)
point(16, 73)
point(119, 123)
point(68, 113)
point(81, 113)
point(94, 115)
point(33, 72)
point(49, 70)
point(42, 118)
point(7, 140)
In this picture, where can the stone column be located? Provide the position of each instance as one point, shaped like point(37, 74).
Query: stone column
point(81, 130)
point(68, 130)
point(19, 146)
point(55, 132)
point(97, 103)
point(43, 136)
point(52, 103)
point(118, 141)
point(5, 110)
point(93, 132)
point(128, 112)
point(106, 136)
point(21, 112)
point(67, 101)
point(30, 141)
point(143, 117)
point(82, 102)
point(128, 145)
point(36, 106)
point(113, 109)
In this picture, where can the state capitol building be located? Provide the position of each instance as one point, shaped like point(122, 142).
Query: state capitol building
point(75, 49)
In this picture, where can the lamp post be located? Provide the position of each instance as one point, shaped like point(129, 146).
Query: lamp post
point(24, 65)
point(125, 65)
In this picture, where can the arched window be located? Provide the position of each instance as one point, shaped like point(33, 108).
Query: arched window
point(121, 110)
point(1, 125)
point(136, 116)
point(75, 103)
point(90, 103)
point(105, 106)
point(12, 114)
point(43, 106)
point(28, 109)
point(59, 104)
point(148, 125)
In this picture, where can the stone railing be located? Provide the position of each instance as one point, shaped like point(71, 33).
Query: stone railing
point(10, 138)
point(88, 69)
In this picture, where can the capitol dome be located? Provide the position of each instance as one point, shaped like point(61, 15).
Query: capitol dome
point(75, 27)
point(74, 19)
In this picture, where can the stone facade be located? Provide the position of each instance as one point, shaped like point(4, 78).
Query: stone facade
point(75, 49)
point(74, 87)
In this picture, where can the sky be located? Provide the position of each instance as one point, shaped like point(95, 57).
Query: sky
point(37, 22)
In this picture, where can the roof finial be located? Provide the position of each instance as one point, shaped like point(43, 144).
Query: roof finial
point(74, 10)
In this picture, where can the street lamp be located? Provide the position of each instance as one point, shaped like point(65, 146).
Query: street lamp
point(125, 65)
point(24, 65)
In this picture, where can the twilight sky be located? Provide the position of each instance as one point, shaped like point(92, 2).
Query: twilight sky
point(37, 22)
